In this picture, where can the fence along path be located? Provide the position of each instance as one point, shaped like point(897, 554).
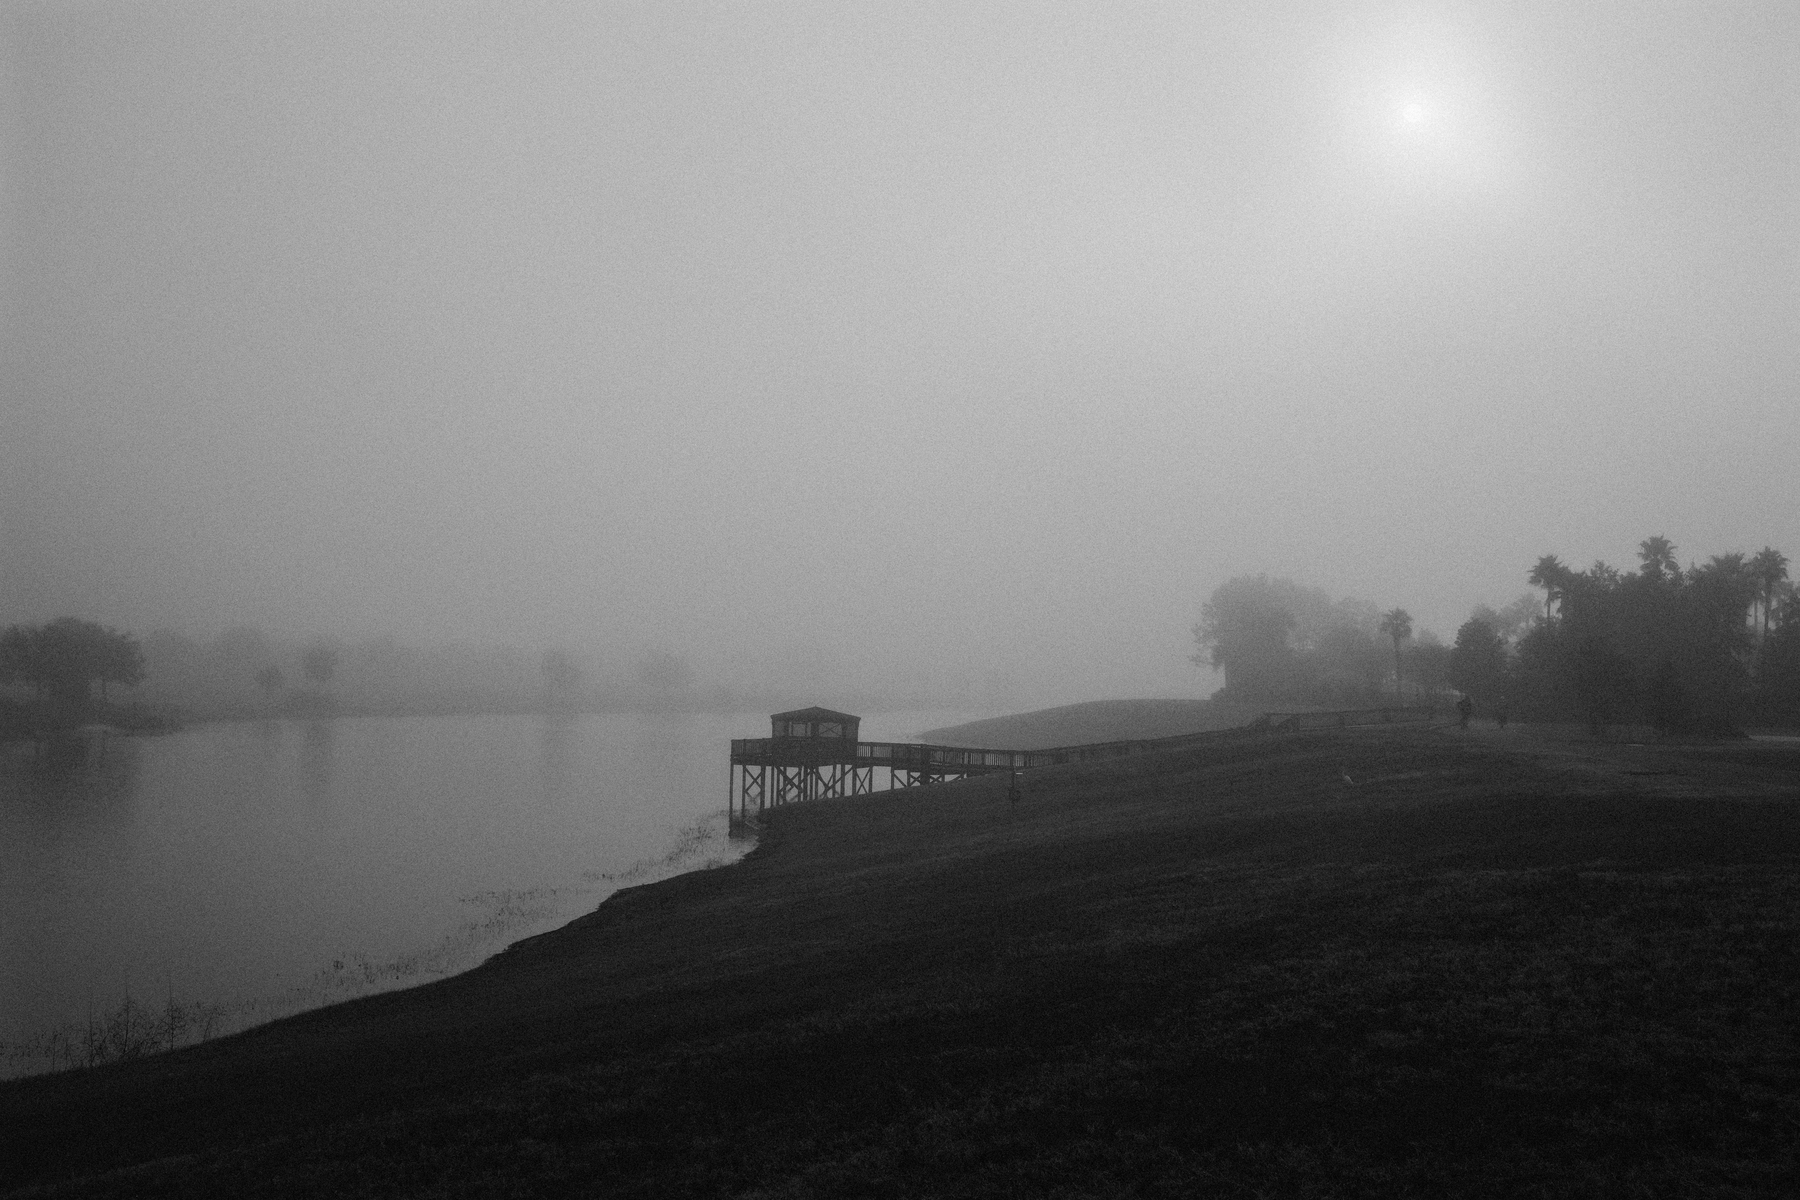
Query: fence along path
point(770, 772)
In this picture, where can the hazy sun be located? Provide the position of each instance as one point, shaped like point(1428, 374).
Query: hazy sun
point(1413, 114)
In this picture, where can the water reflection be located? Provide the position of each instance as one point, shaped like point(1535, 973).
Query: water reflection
point(60, 757)
point(555, 750)
point(69, 820)
point(265, 866)
point(77, 773)
point(316, 760)
point(662, 739)
point(68, 806)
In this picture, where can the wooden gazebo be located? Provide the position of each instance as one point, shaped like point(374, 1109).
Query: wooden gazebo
point(822, 728)
point(810, 754)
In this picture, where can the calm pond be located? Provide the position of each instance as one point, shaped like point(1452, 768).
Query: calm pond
point(239, 871)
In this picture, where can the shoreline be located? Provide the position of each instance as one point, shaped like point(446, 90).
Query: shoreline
point(1318, 960)
point(352, 977)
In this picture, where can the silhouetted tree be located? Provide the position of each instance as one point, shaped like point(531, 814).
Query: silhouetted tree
point(1276, 640)
point(1603, 682)
point(1714, 641)
point(1665, 644)
point(1778, 665)
point(1509, 623)
point(1536, 686)
point(1428, 663)
point(1348, 665)
point(1768, 567)
point(18, 657)
point(1657, 554)
point(1244, 630)
point(121, 661)
point(1478, 662)
point(1735, 568)
point(1603, 574)
point(1549, 574)
point(65, 657)
point(1670, 708)
point(1397, 624)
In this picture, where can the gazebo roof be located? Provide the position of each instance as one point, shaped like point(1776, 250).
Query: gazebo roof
point(815, 713)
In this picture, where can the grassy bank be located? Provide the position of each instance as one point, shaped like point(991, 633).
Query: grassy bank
point(1095, 721)
point(1422, 964)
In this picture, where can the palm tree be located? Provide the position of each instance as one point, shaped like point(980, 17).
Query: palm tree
point(1549, 574)
point(1658, 556)
point(1768, 567)
point(1397, 624)
point(1734, 569)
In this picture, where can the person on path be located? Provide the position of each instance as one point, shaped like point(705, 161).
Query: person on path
point(1464, 708)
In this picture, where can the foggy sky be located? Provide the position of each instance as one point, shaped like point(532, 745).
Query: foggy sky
point(972, 337)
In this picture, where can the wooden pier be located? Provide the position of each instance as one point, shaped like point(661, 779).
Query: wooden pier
point(815, 754)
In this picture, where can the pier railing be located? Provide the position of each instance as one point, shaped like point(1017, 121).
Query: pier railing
point(768, 772)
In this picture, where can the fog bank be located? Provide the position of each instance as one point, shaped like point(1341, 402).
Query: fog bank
point(960, 341)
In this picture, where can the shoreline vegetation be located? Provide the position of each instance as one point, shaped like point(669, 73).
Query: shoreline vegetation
point(1483, 962)
point(134, 1028)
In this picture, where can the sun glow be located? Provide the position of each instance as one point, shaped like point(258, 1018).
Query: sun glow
point(1423, 116)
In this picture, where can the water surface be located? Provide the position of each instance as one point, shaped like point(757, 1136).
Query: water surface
point(261, 867)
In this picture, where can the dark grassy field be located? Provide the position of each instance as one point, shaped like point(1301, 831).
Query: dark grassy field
point(1414, 965)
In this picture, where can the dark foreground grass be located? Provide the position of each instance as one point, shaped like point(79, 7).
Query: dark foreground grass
point(1329, 966)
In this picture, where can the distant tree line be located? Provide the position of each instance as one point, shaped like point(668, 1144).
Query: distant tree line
point(1701, 650)
point(60, 662)
point(1278, 642)
point(245, 672)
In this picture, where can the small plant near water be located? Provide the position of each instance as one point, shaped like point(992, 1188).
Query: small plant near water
point(131, 1030)
point(134, 1029)
point(690, 841)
